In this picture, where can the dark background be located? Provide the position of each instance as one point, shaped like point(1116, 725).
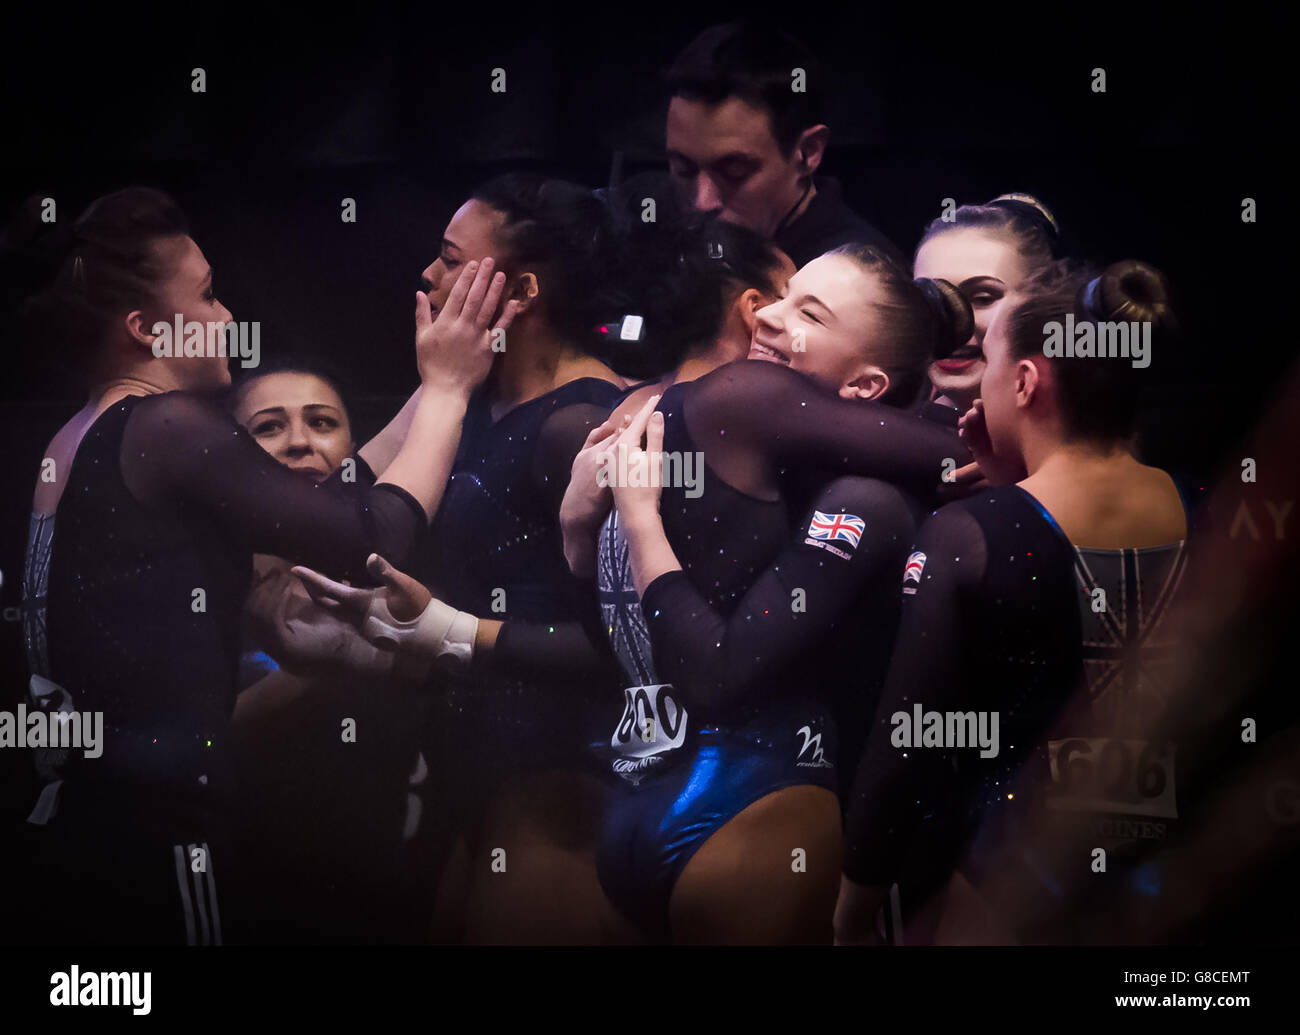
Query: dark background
point(392, 106)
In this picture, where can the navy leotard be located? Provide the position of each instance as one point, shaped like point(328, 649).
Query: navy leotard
point(742, 684)
point(496, 551)
point(1001, 616)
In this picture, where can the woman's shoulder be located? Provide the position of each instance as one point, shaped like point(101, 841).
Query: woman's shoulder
point(588, 388)
point(175, 405)
point(1122, 506)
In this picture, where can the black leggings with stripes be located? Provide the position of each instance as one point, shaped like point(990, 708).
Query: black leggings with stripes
point(96, 880)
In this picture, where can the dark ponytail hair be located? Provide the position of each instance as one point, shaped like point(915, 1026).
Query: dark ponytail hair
point(1098, 397)
point(67, 282)
point(681, 273)
point(925, 319)
point(1020, 216)
point(597, 261)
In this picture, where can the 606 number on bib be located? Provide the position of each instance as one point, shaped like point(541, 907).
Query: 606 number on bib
point(1101, 774)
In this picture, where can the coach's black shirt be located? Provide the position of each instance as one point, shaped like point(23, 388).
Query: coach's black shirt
point(827, 223)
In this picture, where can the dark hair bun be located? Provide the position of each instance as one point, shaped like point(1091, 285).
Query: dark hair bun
point(1129, 291)
point(954, 323)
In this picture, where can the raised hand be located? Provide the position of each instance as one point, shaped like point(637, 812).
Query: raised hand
point(586, 501)
point(455, 349)
point(974, 433)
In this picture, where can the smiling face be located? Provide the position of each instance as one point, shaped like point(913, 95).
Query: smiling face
point(299, 419)
point(824, 325)
point(985, 267)
point(723, 158)
point(473, 234)
point(746, 301)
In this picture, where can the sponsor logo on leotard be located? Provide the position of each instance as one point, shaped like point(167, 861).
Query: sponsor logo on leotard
point(912, 572)
point(634, 770)
point(813, 759)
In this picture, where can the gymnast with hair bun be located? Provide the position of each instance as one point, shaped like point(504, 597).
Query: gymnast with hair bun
point(987, 251)
point(1013, 599)
point(780, 439)
point(751, 617)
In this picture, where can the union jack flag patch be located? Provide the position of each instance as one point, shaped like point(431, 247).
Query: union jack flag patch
point(828, 527)
point(912, 571)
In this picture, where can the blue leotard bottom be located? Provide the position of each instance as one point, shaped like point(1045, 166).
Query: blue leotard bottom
point(652, 830)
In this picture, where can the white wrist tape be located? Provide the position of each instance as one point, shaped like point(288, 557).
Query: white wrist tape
point(440, 631)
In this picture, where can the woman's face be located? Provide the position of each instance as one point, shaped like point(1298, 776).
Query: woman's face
point(823, 324)
point(189, 292)
point(300, 420)
point(472, 235)
point(998, 389)
point(984, 267)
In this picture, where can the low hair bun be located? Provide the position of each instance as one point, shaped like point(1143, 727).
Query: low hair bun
point(953, 321)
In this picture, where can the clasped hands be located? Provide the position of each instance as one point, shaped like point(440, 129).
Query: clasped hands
point(612, 469)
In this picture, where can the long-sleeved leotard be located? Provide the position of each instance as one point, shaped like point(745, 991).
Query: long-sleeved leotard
point(760, 425)
point(753, 420)
point(166, 501)
point(1001, 619)
point(819, 621)
point(134, 596)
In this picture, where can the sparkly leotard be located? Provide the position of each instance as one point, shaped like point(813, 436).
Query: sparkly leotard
point(496, 551)
point(133, 610)
point(746, 658)
point(1003, 617)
